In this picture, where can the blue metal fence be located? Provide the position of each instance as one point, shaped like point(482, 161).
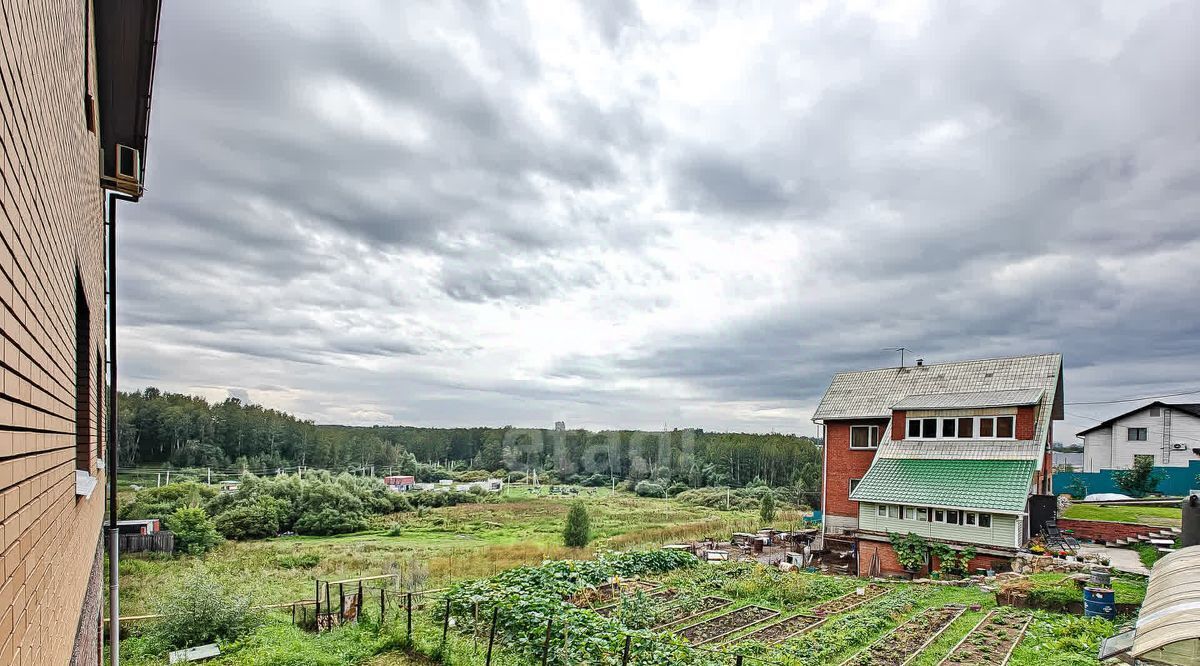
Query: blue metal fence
point(1176, 481)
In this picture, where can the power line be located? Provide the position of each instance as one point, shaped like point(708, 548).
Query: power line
point(1139, 399)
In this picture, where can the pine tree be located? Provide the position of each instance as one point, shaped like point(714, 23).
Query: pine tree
point(578, 531)
point(766, 511)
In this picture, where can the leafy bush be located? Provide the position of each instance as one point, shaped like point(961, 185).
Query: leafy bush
point(199, 609)
point(766, 509)
point(911, 549)
point(1141, 479)
point(676, 488)
point(304, 561)
point(649, 489)
point(329, 521)
point(254, 519)
point(578, 531)
point(163, 501)
point(195, 533)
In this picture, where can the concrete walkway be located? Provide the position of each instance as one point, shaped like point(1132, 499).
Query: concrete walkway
point(1122, 559)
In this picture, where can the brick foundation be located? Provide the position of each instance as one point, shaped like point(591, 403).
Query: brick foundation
point(889, 565)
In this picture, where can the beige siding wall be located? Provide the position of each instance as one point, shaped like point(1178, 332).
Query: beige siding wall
point(51, 223)
point(988, 411)
point(1003, 531)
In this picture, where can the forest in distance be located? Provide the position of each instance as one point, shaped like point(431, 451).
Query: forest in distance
point(159, 428)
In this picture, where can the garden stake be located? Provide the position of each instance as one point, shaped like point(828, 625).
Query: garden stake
point(446, 622)
point(358, 603)
point(316, 619)
point(409, 603)
point(625, 654)
point(492, 636)
point(546, 643)
point(382, 605)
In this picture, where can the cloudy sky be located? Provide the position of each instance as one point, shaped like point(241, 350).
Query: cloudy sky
point(624, 214)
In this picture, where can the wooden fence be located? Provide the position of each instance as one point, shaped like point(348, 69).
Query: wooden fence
point(159, 542)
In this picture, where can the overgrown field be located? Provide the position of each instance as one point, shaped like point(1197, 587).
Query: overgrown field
point(436, 547)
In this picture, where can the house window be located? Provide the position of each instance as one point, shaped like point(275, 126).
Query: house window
point(910, 513)
point(1004, 427)
point(893, 511)
point(923, 514)
point(985, 520)
point(952, 517)
point(939, 516)
point(948, 427)
point(881, 511)
point(854, 484)
point(969, 518)
point(914, 428)
point(83, 379)
point(864, 437)
point(987, 427)
point(966, 427)
point(1137, 434)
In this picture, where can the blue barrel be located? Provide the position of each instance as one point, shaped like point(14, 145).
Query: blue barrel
point(1099, 602)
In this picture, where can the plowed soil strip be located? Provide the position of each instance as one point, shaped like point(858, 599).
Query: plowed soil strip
point(782, 630)
point(849, 601)
point(902, 644)
point(724, 625)
point(706, 605)
point(997, 633)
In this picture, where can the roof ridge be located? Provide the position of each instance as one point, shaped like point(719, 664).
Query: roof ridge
point(962, 362)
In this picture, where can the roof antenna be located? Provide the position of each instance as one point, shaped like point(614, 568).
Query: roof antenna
point(902, 350)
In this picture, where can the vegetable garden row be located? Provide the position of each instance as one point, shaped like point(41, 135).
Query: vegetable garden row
point(663, 607)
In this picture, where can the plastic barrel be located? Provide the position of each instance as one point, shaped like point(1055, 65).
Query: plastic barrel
point(1099, 602)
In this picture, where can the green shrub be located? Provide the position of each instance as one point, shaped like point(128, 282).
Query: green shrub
point(676, 488)
point(195, 533)
point(578, 531)
point(1147, 553)
point(329, 521)
point(254, 519)
point(163, 501)
point(766, 509)
point(198, 608)
point(649, 489)
point(303, 561)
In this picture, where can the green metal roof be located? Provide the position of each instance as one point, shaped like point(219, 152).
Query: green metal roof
point(1000, 485)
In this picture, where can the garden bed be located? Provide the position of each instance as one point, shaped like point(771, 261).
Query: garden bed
point(685, 613)
point(664, 596)
point(905, 642)
point(849, 600)
point(606, 593)
point(996, 634)
point(724, 625)
point(784, 629)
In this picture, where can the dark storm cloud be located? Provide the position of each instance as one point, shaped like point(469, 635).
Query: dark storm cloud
point(333, 188)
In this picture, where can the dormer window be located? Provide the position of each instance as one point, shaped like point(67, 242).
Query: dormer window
point(963, 427)
point(864, 437)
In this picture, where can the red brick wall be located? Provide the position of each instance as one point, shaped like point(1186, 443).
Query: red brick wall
point(843, 464)
point(890, 566)
point(1103, 530)
point(899, 424)
point(1025, 423)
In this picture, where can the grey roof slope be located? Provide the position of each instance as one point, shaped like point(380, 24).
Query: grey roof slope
point(1188, 407)
point(969, 399)
point(872, 393)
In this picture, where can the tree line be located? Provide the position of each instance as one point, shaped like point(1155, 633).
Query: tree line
point(160, 428)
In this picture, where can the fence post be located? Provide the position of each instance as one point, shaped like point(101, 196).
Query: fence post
point(341, 602)
point(408, 605)
point(446, 622)
point(317, 616)
point(492, 636)
point(739, 660)
point(625, 654)
point(358, 603)
point(546, 643)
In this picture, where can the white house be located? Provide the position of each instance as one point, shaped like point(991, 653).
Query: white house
point(1169, 433)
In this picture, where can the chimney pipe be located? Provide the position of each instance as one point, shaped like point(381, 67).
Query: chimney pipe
point(920, 362)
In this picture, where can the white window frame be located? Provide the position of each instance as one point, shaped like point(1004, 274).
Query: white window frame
point(872, 437)
point(970, 519)
point(937, 519)
point(893, 511)
point(940, 427)
point(853, 484)
point(922, 514)
point(1145, 432)
point(881, 511)
point(988, 518)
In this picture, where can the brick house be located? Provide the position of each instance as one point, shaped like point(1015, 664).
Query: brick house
point(952, 452)
point(74, 101)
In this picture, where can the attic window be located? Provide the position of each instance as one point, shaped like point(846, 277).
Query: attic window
point(864, 437)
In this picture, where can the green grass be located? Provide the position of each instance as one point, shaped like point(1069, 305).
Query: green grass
point(1159, 516)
